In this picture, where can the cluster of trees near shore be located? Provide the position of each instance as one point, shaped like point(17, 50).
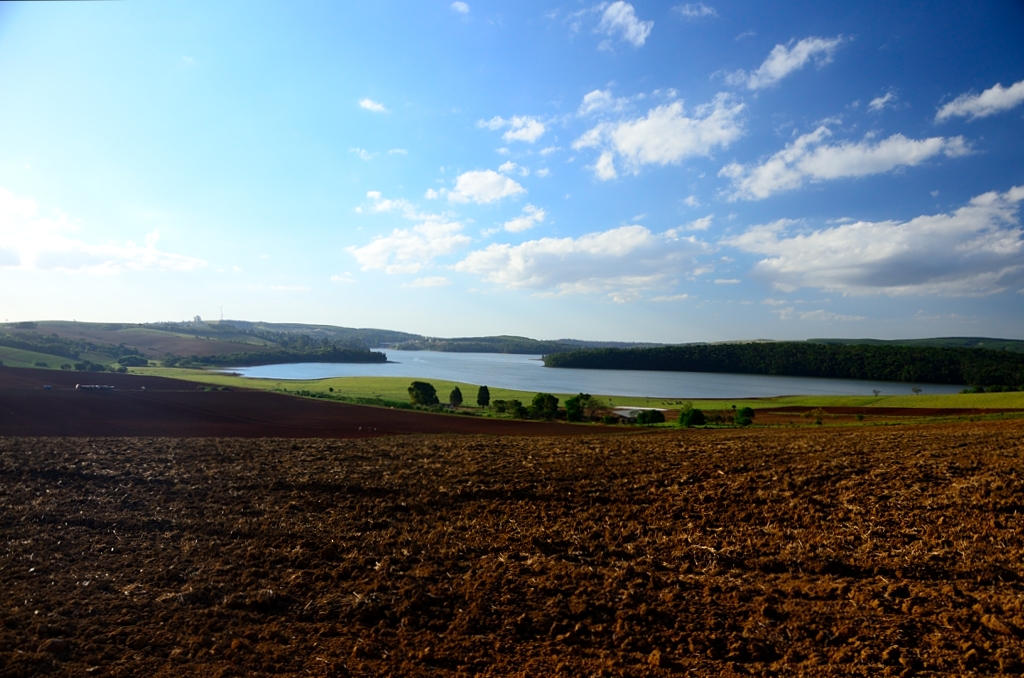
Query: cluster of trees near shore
point(924, 364)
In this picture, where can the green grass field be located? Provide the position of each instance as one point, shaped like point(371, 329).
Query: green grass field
point(16, 357)
point(395, 389)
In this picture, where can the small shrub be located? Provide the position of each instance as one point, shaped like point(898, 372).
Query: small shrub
point(609, 419)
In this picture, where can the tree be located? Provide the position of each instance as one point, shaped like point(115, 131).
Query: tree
point(544, 405)
point(649, 417)
point(691, 416)
point(422, 393)
point(456, 397)
point(745, 417)
point(876, 392)
point(483, 396)
point(574, 407)
point(916, 390)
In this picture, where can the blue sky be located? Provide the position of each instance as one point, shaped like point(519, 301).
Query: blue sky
point(639, 171)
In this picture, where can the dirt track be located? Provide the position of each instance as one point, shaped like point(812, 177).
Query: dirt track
point(868, 551)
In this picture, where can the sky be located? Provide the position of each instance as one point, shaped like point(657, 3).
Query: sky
point(644, 171)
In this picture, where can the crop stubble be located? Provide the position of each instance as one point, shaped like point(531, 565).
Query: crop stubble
point(869, 551)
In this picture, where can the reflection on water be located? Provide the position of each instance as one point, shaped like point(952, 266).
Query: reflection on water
point(527, 373)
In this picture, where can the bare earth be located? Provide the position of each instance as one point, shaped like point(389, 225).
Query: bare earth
point(890, 550)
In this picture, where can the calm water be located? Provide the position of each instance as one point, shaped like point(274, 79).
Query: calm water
point(527, 373)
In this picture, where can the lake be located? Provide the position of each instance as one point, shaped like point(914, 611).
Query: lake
point(527, 373)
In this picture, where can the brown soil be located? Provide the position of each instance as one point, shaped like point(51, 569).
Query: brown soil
point(893, 550)
point(176, 408)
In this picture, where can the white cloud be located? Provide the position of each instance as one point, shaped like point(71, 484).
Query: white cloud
point(362, 153)
point(783, 60)
point(549, 150)
point(993, 100)
point(543, 172)
point(601, 101)
point(701, 224)
point(398, 151)
point(727, 281)
point(620, 19)
point(822, 315)
point(878, 104)
point(697, 10)
point(483, 186)
point(460, 7)
point(809, 158)
point(510, 167)
point(530, 217)
point(666, 135)
point(371, 105)
point(692, 201)
point(672, 297)
point(408, 250)
point(345, 278)
point(621, 263)
point(34, 241)
point(431, 194)
point(976, 250)
point(431, 281)
point(521, 128)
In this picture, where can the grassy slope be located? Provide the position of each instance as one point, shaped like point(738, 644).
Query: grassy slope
point(16, 357)
point(395, 388)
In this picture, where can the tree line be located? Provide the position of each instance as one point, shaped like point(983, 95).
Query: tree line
point(976, 366)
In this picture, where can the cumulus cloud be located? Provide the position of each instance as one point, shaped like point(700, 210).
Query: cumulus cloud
point(35, 239)
point(785, 59)
point(621, 263)
point(620, 19)
point(521, 128)
point(975, 250)
point(460, 7)
point(878, 104)
point(600, 101)
point(483, 186)
point(666, 135)
point(993, 100)
point(530, 217)
point(697, 10)
point(371, 105)
point(808, 158)
point(512, 168)
point(362, 153)
point(408, 250)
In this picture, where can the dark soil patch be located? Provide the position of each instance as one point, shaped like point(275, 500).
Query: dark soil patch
point(175, 408)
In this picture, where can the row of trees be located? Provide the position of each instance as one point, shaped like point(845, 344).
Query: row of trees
point(582, 407)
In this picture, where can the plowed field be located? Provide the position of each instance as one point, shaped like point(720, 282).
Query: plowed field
point(858, 551)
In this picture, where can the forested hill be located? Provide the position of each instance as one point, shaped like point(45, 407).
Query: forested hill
point(882, 362)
